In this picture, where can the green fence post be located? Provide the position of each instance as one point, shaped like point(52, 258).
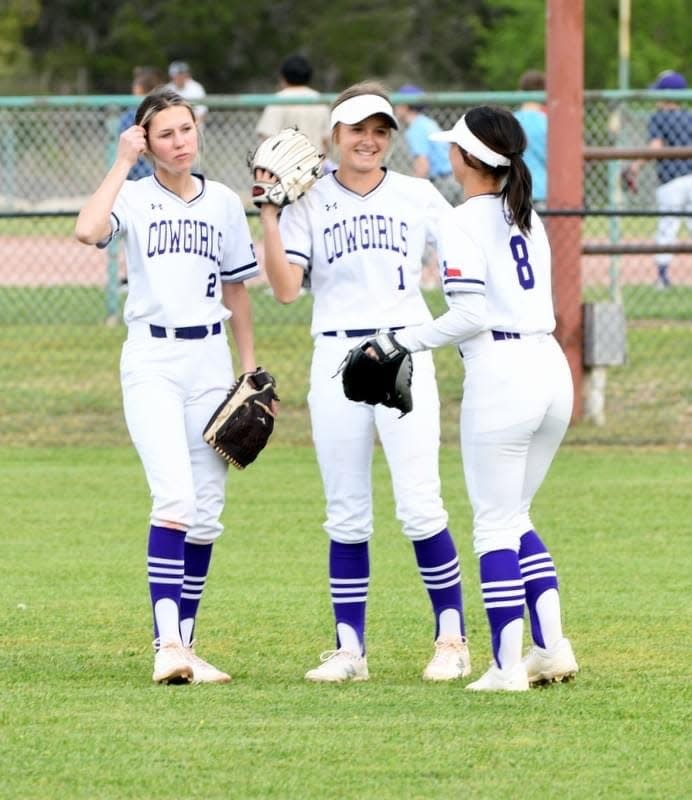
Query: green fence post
point(112, 304)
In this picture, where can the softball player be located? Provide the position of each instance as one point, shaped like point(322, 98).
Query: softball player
point(188, 251)
point(358, 236)
point(517, 399)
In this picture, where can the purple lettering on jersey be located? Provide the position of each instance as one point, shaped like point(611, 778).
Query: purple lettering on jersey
point(151, 247)
point(364, 231)
point(162, 240)
point(204, 239)
point(197, 238)
point(187, 236)
point(175, 237)
point(382, 240)
point(391, 235)
point(350, 236)
point(338, 240)
point(328, 244)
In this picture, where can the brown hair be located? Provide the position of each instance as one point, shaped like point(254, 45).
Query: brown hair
point(532, 80)
point(147, 78)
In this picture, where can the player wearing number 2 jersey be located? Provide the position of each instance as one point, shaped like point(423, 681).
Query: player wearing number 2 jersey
point(359, 235)
point(188, 252)
point(517, 399)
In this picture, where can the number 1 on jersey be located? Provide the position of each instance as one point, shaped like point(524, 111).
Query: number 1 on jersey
point(520, 254)
point(401, 285)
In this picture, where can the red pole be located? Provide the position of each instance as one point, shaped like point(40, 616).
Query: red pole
point(565, 96)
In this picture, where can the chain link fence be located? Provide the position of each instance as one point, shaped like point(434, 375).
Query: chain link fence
point(61, 302)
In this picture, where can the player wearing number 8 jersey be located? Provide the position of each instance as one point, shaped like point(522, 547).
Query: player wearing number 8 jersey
point(188, 252)
point(359, 235)
point(517, 398)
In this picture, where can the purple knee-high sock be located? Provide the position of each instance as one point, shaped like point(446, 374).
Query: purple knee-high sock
point(438, 564)
point(165, 566)
point(503, 592)
point(197, 558)
point(538, 573)
point(349, 578)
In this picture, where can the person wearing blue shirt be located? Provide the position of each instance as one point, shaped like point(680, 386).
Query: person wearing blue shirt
point(430, 159)
point(534, 121)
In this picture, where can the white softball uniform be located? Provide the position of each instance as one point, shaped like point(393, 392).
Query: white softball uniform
point(175, 364)
point(518, 394)
point(362, 256)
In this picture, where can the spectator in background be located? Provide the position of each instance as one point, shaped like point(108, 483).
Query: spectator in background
point(145, 80)
point(430, 159)
point(295, 74)
point(534, 120)
point(189, 89)
point(669, 126)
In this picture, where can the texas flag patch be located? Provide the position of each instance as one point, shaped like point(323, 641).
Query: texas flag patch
point(451, 272)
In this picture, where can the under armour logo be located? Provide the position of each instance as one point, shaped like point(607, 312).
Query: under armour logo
point(330, 206)
point(157, 205)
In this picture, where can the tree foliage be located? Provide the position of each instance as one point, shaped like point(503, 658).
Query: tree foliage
point(235, 46)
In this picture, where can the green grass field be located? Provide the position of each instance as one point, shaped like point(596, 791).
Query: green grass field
point(80, 717)
point(57, 355)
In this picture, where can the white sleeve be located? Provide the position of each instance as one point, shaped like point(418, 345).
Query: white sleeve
point(118, 217)
point(465, 318)
point(296, 233)
point(239, 260)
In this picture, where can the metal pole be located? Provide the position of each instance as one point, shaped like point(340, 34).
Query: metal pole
point(565, 90)
point(615, 192)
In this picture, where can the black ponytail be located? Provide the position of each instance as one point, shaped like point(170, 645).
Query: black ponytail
point(499, 129)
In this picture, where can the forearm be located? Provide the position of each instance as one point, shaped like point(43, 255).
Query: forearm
point(237, 299)
point(465, 318)
point(284, 278)
point(421, 167)
point(93, 222)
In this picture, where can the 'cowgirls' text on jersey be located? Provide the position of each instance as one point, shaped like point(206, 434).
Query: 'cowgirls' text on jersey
point(179, 252)
point(363, 254)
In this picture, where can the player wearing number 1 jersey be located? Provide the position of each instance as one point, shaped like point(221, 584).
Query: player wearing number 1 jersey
point(188, 252)
point(517, 399)
point(359, 235)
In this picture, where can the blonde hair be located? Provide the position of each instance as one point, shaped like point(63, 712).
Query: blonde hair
point(364, 87)
point(158, 101)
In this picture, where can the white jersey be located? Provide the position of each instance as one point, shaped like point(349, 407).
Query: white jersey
point(363, 254)
point(162, 233)
point(482, 252)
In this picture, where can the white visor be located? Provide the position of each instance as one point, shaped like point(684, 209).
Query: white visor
point(360, 107)
point(461, 135)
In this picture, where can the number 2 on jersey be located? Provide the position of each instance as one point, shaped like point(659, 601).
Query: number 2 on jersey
point(211, 285)
point(520, 254)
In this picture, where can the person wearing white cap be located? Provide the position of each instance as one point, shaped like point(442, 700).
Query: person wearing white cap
point(357, 238)
point(517, 393)
point(184, 84)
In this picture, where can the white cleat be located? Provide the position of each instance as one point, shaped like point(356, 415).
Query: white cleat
point(171, 664)
point(338, 666)
point(450, 661)
point(551, 666)
point(203, 671)
point(495, 679)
